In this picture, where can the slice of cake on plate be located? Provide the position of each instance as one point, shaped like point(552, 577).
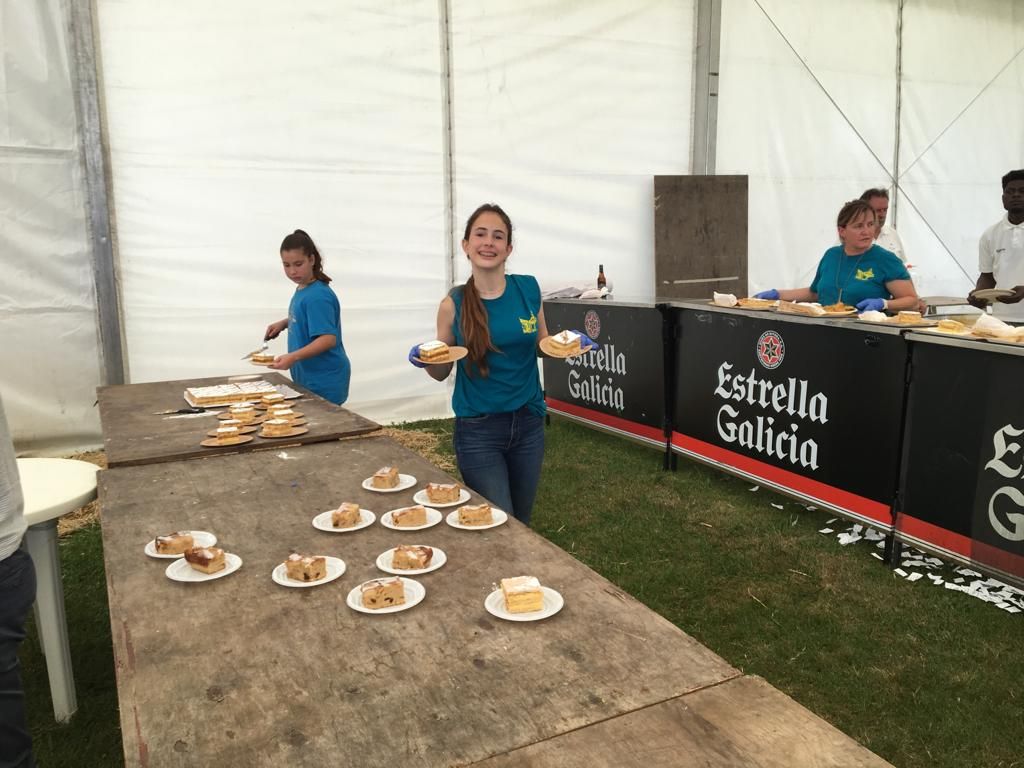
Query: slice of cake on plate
point(276, 427)
point(305, 567)
point(908, 316)
point(346, 515)
point(409, 517)
point(522, 594)
point(243, 413)
point(227, 435)
point(173, 543)
point(566, 343)
point(206, 559)
point(282, 413)
point(272, 397)
point(385, 477)
point(261, 357)
point(383, 593)
point(433, 351)
point(475, 514)
point(411, 557)
point(443, 493)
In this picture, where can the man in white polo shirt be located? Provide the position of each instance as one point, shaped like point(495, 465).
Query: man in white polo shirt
point(1001, 253)
point(886, 238)
point(17, 593)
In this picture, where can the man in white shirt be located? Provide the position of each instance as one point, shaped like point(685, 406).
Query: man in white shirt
point(1001, 254)
point(886, 238)
point(17, 593)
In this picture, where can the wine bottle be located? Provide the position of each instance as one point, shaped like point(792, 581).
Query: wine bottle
point(602, 281)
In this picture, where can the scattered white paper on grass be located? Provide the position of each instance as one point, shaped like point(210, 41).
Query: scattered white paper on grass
point(778, 506)
point(829, 522)
point(877, 556)
point(755, 488)
point(900, 571)
point(848, 538)
point(915, 576)
point(826, 530)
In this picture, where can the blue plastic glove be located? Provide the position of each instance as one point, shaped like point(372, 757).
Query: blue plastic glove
point(871, 305)
point(586, 341)
point(413, 354)
point(770, 295)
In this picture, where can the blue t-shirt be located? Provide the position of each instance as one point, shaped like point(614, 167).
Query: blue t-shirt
point(513, 380)
point(314, 311)
point(856, 277)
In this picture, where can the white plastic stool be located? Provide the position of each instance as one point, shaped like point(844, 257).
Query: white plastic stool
point(52, 488)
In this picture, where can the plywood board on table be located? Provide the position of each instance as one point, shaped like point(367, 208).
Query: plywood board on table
point(242, 671)
point(134, 433)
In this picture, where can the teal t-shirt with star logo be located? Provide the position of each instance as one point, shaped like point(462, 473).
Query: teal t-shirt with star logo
point(856, 277)
point(514, 379)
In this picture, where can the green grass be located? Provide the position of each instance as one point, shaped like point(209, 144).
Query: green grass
point(920, 675)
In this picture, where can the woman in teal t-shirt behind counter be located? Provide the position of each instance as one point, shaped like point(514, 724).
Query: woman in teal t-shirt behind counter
point(498, 401)
point(856, 272)
point(316, 356)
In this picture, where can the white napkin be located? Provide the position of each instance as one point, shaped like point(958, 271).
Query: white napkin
point(873, 316)
point(987, 325)
point(724, 299)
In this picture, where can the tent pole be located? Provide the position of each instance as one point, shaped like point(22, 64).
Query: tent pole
point(448, 174)
point(82, 59)
point(895, 203)
point(707, 37)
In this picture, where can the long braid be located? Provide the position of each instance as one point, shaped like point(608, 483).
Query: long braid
point(475, 329)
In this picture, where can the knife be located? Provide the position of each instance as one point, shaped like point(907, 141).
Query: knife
point(197, 409)
point(256, 351)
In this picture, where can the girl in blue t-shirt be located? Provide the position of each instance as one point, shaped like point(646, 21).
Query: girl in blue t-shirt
point(316, 355)
point(498, 402)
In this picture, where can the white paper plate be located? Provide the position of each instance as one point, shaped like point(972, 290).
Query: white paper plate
point(495, 605)
point(384, 563)
point(433, 518)
point(500, 517)
point(404, 481)
point(180, 570)
point(322, 522)
point(335, 567)
point(420, 497)
point(990, 294)
point(201, 538)
point(414, 594)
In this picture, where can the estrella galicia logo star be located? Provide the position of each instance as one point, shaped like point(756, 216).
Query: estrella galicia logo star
point(770, 349)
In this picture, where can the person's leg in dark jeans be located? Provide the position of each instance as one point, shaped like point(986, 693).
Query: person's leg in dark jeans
point(480, 445)
point(524, 460)
point(17, 593)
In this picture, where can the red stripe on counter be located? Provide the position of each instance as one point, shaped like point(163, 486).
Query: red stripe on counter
point(623, 425)
point(837, 497)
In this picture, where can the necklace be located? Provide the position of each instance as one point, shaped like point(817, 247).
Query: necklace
point(849, 277)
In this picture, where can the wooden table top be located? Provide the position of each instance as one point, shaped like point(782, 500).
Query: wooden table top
point(242, 671)
point(133, 434)
point(742, 722)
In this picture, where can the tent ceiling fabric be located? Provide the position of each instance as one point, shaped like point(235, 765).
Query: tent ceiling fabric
point(230, 124)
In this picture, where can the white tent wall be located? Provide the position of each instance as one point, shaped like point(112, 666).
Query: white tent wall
point(563, 112)
point(810, 119)
point(230, 125)
point(48, 330)
point(807, 108)
point(961, 130)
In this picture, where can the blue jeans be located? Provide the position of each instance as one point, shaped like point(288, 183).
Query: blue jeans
point(17, 593)
point(500, 456)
